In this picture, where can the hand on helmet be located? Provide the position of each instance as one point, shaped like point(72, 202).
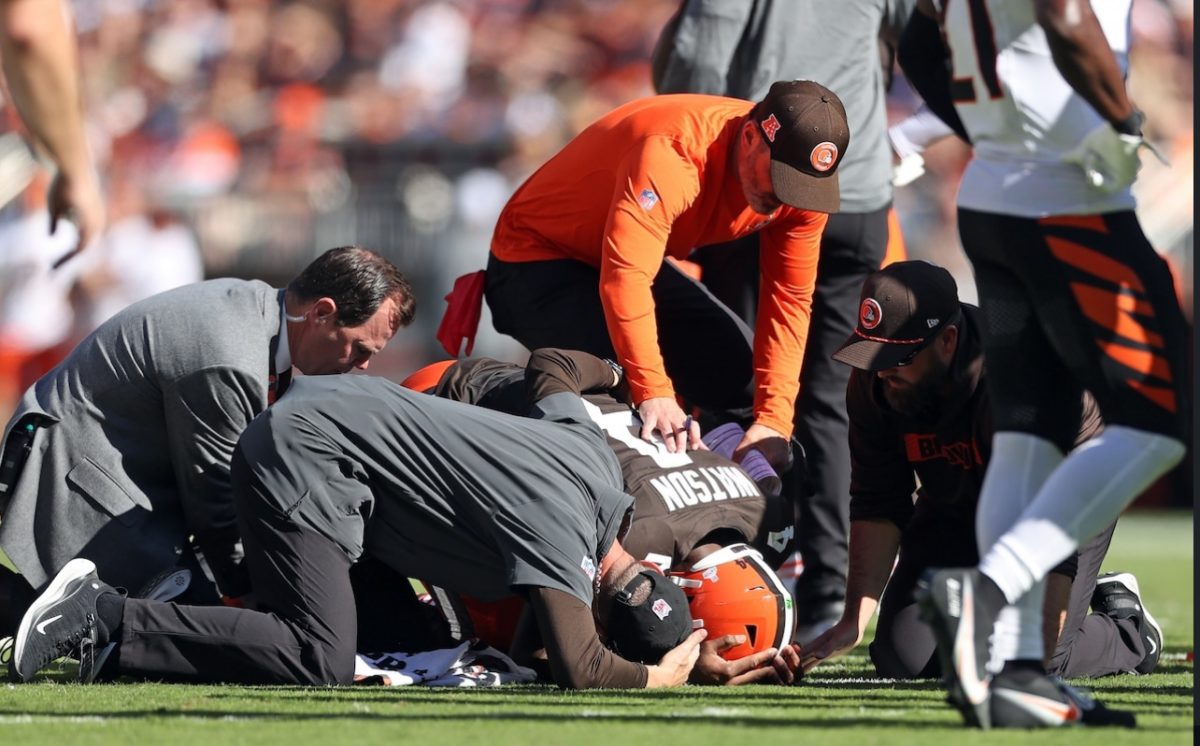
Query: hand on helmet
point(678, 662)
point(765, 666)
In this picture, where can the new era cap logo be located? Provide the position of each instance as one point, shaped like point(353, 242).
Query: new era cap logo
point(869, 314)
point(770, 126)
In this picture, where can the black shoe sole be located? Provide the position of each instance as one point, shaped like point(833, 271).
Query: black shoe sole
point(974, 715)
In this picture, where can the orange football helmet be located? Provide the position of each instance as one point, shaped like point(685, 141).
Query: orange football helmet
point(426, 379)
point(734, 592)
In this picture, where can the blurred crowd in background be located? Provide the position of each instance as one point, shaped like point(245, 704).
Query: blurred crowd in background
point(244, 137)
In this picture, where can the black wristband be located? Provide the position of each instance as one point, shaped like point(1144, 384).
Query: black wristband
point(617, 369)
point(1132, 124)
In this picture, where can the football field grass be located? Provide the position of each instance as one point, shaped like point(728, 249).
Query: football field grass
point(839, 703)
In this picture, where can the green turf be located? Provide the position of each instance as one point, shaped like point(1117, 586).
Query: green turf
point(837, 704)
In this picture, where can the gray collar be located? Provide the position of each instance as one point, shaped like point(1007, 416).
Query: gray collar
point(283, 356)
point(611, 507)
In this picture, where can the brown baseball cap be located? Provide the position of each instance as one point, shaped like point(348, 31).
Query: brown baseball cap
point(903, 307)
point(804, 124)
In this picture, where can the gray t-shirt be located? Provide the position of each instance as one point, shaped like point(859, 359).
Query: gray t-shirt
point(464, 498)
point(740, 48)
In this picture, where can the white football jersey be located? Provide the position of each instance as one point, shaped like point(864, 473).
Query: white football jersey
point(1020, 112)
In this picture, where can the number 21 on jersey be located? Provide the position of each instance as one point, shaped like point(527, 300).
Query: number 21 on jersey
point(971, 73)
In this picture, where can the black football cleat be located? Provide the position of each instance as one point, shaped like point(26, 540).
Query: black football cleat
point(1095, 714)
point(61, 621)
point(1117, 596)
point(950, 605)
point(1029, 699)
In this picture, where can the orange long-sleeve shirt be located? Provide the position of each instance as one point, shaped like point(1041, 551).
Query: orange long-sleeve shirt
point(657, 178)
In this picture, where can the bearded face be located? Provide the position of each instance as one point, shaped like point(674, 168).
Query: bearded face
point(916, 390)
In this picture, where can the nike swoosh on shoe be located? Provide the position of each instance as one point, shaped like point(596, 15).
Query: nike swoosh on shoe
point(974, 688)
point(1049, 711)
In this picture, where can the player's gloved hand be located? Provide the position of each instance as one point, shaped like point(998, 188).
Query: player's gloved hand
point(838, 640)
point(677, 664)
point(910, 168)
point(1110, 159)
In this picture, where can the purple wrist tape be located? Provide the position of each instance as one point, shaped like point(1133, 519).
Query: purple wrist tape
point(725, 438)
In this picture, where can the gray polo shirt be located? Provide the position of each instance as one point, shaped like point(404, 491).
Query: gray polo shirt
point(465, 498)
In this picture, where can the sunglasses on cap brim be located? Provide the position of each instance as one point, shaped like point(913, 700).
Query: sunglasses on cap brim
point(912, 355)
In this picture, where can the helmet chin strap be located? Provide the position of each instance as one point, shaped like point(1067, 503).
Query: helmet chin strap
point(296, 319)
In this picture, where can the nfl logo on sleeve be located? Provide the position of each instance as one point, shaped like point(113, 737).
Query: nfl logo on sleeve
point(647, 199)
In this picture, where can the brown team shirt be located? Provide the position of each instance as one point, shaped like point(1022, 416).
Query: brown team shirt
point(657, 178)
point(890, 453)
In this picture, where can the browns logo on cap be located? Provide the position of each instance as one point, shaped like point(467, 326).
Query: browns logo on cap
point(804, 125)
point(904, 305)
point(869, 314)
point(823, 156)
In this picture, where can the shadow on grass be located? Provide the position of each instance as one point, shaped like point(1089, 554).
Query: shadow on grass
point(1174, 667)
point(833, 684)
point(1146, 691)
point(593, 699)
point(721, 717)
point(754, 692)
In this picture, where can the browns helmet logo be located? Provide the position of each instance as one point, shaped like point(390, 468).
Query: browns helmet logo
point(823, 156)
point(869, 314)
point(770, 126)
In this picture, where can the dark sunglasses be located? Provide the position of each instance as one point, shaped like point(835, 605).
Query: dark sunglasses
point(907, 359)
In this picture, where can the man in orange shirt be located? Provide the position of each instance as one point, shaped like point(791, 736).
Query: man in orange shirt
point(657, 178)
